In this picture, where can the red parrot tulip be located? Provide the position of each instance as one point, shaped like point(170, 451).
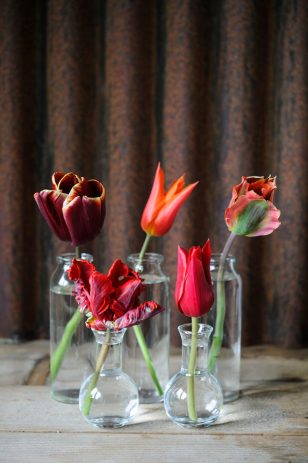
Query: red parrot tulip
point(74, 209)
point(112, 300)
point(251, 211)
point(194, 294)
point(162, 207)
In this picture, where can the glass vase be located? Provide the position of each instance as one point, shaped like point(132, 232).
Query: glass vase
point(156, 331)
point(109, 397)
point(70, 340)
point(228, 365)
point(206, 389)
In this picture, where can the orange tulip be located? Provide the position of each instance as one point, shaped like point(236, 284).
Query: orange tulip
point(162, 207)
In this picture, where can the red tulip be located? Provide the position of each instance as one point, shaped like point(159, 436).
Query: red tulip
point(251, 211)
point(162, 207)
point(111, 300)
point(194, 294)
point(74, 209)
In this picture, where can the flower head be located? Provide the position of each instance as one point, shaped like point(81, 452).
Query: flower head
point(112, 299)
point(251, 211)
point(74, 209)
point(194, 294)
point(162, 207)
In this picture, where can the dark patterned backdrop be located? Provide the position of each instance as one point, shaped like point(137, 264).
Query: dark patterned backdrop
point(215, 88)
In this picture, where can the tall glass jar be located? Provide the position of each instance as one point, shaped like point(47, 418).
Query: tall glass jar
point(70, 340)
point(199, 387)
point(229, 361)
point(156, 330)
point(108, 397)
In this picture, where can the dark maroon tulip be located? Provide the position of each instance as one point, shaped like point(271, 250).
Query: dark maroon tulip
point(74, 209)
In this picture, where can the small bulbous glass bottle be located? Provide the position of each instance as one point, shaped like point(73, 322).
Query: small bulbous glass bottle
point(114, 395)
point(207, 391)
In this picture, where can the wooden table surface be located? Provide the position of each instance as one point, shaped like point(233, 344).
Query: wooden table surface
point(269, 423)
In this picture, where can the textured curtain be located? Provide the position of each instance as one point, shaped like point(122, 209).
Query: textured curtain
point(106, 89)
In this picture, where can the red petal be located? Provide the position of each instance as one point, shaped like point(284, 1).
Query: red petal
point(181, 273)
point(118, 272)
point(127, 293)
point(154, 202)
point(100, 290)
point(137, 315)
point(81, 270)
point(166, 216)
point(206, 259)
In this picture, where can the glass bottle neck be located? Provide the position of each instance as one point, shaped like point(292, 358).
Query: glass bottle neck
point(202, 341)
point(201, 359)
point(112, 340)
point(114, 358)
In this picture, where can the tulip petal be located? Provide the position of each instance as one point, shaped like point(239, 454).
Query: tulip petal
point(101, 289)
point(127, 293)
point(137, 315)
point(206, 260)
point(181, 273)
point(269, 223)
point(50, 204)
point(81, 270)
point(176, 187)
point(83, 214)
point(118, 272)
point(155, 200)
point(166, 216)
point(64, 181)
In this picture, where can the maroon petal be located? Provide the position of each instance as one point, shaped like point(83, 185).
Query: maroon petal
point(84, 215)
point(50, 204)
point(135, 316)
point(81, 270)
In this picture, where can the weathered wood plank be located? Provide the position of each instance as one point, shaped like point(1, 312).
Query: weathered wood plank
point(109, 448)
point(278, 411)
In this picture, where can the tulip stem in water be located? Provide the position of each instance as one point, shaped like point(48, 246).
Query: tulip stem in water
point(58, 355)
point(138, 331)
point(191, 405)
point(220, 306)
point(77, 252)
point(86, 406)
point(146, 355)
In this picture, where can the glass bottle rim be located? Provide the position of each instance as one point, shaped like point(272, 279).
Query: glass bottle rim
point(215, 257)
point(203, 329)
point(151, 257)
point(116, 336)
point(67, 257)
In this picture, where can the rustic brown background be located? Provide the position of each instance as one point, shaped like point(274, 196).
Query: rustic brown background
point(217, 89)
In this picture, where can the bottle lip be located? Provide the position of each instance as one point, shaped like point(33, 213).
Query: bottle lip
point(116, 336)
point(69, 256)
point(203, 329)
point(151, 257)
point(215, 257)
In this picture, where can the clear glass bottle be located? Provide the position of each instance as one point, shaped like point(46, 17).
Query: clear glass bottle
point(114, 395)
point(229, 361)
point(70, 340)
point(156, 330)
point(207, 390)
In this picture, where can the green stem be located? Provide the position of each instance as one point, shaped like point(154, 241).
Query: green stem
point(86, 406)
point(147, 358)
point(144, 247)
point(77, 252)
point(58, 355)
point(191, 406)
point(138, 331)
point(220, 306)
